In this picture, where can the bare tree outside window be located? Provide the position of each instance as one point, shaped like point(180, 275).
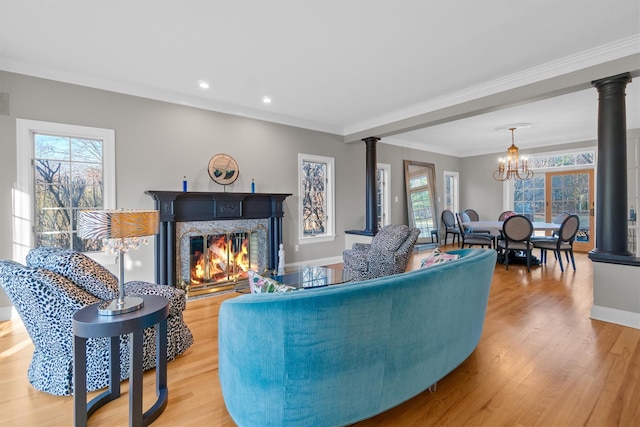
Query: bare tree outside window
point(68, 176)
point(314, 194)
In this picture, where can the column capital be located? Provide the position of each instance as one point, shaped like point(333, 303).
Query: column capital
point(619, 78)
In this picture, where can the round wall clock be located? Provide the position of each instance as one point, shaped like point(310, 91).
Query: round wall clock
point(223, 169)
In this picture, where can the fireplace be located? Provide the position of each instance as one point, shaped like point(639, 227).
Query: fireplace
point(208, 241)
point(213, 256)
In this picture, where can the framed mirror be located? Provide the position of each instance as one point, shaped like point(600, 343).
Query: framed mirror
point(421, 199)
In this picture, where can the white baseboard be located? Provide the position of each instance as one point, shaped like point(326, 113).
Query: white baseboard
point(320, 261)
point(6, 313)
point(619, 317)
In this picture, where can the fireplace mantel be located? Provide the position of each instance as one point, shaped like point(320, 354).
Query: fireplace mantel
point(178, 206)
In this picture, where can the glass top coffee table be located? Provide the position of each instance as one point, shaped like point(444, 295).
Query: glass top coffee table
point(310, 276)
point(306, 277)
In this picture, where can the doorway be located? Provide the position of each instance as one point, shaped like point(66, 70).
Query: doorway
point(572, 192)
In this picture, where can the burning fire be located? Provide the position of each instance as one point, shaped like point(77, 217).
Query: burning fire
point(222, 263)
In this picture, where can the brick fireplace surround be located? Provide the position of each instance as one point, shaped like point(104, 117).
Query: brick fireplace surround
point(177, 207)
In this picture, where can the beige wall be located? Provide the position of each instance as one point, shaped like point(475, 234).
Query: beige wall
point(157, 143)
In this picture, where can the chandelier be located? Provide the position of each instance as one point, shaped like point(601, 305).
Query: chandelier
point(513, 166)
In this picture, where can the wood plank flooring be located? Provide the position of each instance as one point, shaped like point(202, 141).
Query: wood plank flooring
point(541, 362)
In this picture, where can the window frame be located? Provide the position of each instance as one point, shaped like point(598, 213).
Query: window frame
point(329, 235)
point(455, 193)
point(24, 197)
point(385, 200)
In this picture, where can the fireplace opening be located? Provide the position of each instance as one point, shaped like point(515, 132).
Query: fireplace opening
point(214, 256)
point(219, 259)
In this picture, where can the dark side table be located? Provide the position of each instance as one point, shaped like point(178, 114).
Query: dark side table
point(87, 323)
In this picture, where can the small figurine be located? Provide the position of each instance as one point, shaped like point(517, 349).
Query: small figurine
point(281, 260)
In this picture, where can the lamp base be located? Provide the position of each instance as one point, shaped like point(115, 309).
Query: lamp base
point(115, 306)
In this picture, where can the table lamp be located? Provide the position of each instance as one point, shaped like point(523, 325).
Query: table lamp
point(122, 230)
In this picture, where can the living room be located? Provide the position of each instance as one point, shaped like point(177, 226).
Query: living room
point(160, 142)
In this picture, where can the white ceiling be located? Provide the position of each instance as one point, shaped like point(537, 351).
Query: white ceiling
point(344, 67)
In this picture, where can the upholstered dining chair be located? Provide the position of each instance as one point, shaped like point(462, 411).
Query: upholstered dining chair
point(469, 216)
point(506, 214)
point(563, 242)
point(474, 239)
point(516, 231)
point(450, 227)
point(473, 215)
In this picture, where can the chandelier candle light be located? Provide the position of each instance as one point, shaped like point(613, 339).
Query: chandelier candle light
point(513, 166)
point(123, 230)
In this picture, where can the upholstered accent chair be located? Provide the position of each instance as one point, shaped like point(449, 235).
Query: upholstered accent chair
point(388, 253)
point(51, 288)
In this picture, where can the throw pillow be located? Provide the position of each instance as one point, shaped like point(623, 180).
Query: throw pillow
point(260, 285)
point(437, 257)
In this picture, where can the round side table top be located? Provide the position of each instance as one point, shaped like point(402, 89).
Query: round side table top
point(88, 323)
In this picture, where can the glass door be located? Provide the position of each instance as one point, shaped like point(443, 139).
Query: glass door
point(572, 192)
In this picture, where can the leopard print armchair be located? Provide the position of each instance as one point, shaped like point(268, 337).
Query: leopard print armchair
point(388, 253)
point(48, 291)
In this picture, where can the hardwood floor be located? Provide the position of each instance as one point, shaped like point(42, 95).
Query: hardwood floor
point(541, 362)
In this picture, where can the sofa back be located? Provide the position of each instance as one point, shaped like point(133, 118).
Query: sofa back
point(336, 355)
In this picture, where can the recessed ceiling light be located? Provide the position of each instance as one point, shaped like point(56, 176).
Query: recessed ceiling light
point(266, 100)
point(203, 84)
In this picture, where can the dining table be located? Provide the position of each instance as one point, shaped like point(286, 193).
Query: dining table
point(495, 227)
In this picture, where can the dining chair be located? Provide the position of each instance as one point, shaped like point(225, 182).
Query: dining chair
point(466, 219)
point(559, 219)
point(517, 231)
point(450, 227)
point(473, 215)
point(506, 214)
point(562, 243)
point(474, 239)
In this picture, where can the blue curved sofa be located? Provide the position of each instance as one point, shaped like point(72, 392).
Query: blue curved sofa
point(335, 355)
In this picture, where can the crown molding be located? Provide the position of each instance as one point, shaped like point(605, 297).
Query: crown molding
point(595, 56)
point(601, 54)
point(157, 94)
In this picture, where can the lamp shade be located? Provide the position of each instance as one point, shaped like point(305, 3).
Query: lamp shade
point(116, 224)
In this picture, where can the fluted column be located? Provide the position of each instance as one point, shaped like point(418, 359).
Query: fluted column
point(611, 204)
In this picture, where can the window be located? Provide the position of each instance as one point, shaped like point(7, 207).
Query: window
point(316, 198)
point(62, 169)
point(451, 191)
point(528, 197)
point(383, 173)
point(579, 159)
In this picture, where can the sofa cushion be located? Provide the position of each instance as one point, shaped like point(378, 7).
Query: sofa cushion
point(437, 257)
point(77, 267)
point(260, 285)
